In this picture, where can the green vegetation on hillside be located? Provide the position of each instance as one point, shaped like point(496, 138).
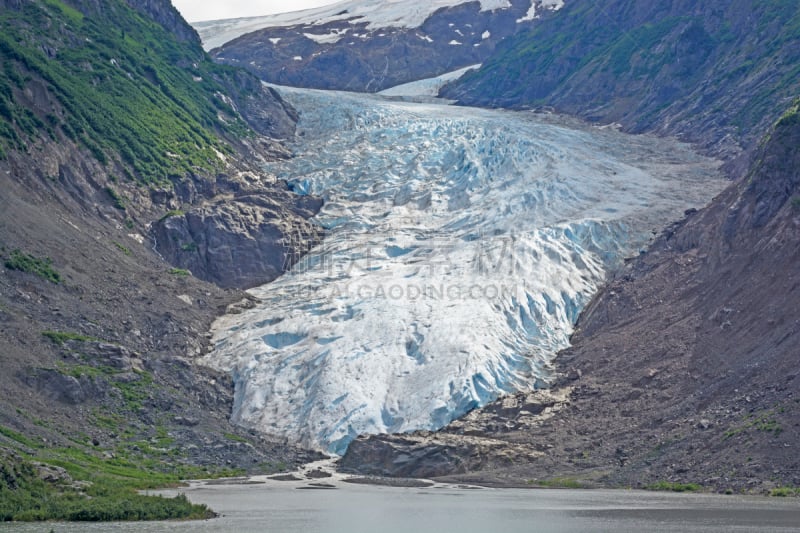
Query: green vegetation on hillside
point(24, 262)
point(630, 61)
point(60, 337)
point(115, 82)
point(107, 489)
point(557, 483)
point(83, 479)
point(669, 486)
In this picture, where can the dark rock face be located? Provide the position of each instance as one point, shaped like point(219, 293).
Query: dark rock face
point(771, 192)
point(243, 241)
point(262, 107)
point(164, 13)
point(475, 443)
point(684, 368)
point(398, 457)
point(64, 388)
point(715, 73)
point(372, 59)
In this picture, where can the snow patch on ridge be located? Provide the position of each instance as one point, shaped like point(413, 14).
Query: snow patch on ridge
point(428, 87)
point(329, 38)
point(554, 5)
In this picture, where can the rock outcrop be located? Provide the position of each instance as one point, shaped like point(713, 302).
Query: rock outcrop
point(242, 240)
point(477, 442)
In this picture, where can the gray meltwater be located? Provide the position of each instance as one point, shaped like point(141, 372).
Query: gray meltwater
point(284, 507)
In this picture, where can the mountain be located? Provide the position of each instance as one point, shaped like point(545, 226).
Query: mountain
point(714, 73)
point(369, 45)
point(682, 370)
point(122, 145)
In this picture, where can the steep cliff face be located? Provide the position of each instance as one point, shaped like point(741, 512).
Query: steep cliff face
point(165, 14)
point(369, 46)
point(152, 110)
point(683, 369)
point(113, 122)
point(714, 73)
point(243, 239)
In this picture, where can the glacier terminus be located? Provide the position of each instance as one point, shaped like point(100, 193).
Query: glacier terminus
point(461, 246)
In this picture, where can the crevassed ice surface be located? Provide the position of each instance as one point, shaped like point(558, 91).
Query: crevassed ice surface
point(462, 245)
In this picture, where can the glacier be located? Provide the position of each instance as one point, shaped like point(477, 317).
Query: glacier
point(461, 246)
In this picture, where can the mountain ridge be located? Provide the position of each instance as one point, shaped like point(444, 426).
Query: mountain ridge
point(717, 74)
point(113, 130)
point(367, 46)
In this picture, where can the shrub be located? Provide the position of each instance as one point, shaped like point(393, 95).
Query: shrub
point(124, 249)
point(28, 263)
point(558, 483)
point(783, 492)
point(60, 337)
point(119, 201)
point(172, 213)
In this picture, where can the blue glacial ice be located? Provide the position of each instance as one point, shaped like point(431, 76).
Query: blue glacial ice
point(461, 246)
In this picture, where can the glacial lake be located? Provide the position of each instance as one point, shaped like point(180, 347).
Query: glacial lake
point(274, 506)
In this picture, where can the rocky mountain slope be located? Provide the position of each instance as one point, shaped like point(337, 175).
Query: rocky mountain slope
point(122, 144)
point(716, 73)
point(367, 45)
point(682, 370)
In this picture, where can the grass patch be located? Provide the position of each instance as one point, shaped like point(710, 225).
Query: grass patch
point(667, 486)
point(235, 438)
point(179, 272)
point(60, 337)
point(19, 438)
point(557, 483)
point(172, 213)
point(764, 422)
point(124, 84)
point(189, 247)
point(33, 265)
point(785, 492)
point(134, 393)
point(107, 484)
point(117, 199)
point(124, 249)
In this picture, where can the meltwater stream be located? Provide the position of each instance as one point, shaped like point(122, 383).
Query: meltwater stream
point(461, 246)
